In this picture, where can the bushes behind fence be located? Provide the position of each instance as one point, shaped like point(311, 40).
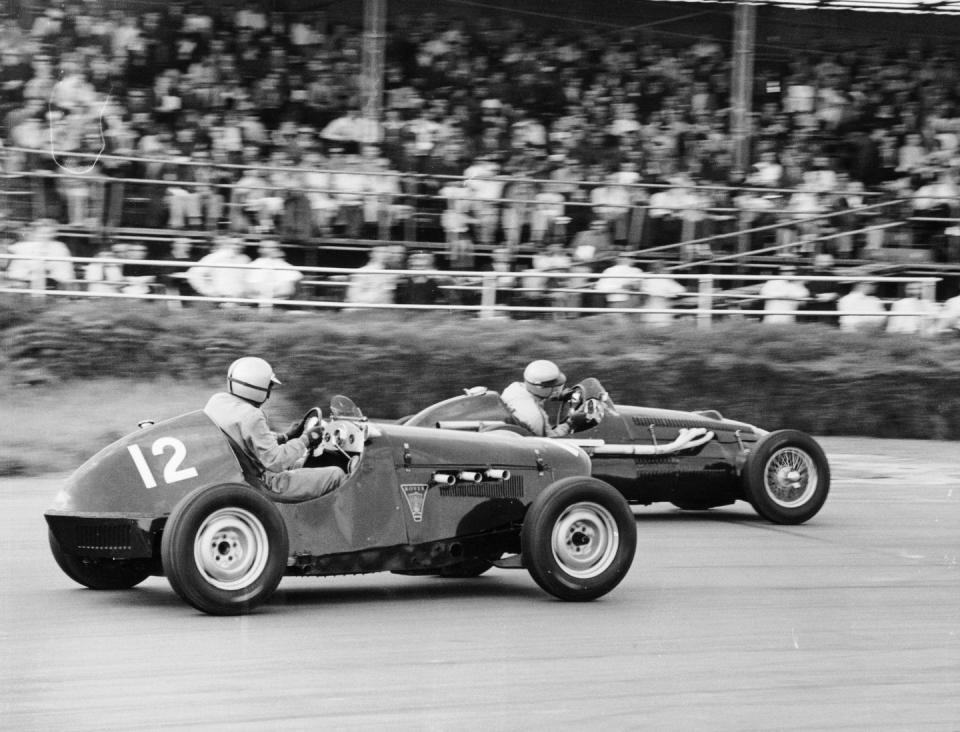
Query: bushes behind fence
point(808, 377)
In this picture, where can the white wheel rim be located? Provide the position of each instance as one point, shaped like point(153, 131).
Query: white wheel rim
point(585, 540)
point(790, 477)
point(231, 549)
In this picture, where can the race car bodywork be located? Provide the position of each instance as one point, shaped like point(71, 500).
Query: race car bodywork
point(695, 460)
point(179, 498)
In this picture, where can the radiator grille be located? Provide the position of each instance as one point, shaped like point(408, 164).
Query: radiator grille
point(512, 488)
point(113, 537)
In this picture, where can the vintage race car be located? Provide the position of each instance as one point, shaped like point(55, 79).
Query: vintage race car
point(180, 498)
point(694, 460)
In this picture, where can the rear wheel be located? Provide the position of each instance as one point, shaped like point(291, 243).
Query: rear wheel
point(99, 574)
point(224, 549)
point(787, 477)
point(578, 539)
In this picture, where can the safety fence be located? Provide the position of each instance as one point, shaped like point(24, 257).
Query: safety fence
point(198, 199)
point(703, 298)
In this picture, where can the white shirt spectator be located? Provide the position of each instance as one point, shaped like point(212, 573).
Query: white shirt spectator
point(912, 314)
point(782, 295)
point(276, 278)
point(370, 287)
point(626, 277)
point(212, 280)
point(661, 293)
point(860, 310)
point(30, 270)
point(950, 316)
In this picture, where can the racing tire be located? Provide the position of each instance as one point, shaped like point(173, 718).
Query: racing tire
point(578, 539)
point(787, 477)
point(224, 549)
point(99, 574)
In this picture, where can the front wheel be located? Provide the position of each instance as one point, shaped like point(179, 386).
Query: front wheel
point(99, 574)
point(224, 549)
point(787, 477)
point(578, 539)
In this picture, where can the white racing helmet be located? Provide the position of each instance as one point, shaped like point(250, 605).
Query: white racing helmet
point(543, 378)
point(251, 378)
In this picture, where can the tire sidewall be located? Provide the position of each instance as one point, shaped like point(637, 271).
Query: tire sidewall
point(537, 531)
point(179, 537)
point(754, 479)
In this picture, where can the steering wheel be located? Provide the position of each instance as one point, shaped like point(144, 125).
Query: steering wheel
point(585, 398)
point(570, 401)
point(311, 419)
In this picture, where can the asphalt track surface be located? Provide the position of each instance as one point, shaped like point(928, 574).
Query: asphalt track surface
point(725, 622)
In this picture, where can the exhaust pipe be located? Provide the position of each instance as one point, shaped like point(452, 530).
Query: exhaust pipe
point(444, 478)
point(470, 476)
point(497, 474)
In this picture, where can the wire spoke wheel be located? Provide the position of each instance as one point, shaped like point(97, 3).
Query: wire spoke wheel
point(787, 477)
point(231, 549)
point(790, 477)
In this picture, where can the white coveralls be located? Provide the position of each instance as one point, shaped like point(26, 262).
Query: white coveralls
point(528, 411)
point(247, 426)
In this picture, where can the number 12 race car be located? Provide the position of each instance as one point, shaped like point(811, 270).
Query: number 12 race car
point(695, 460)
point(179, 498)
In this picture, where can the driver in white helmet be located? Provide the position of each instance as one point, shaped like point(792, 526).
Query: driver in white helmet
point(237, 412)
point(542, 380)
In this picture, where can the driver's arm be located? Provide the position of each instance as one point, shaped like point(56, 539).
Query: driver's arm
point(264, 444)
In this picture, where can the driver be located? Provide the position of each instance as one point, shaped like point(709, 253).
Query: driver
point(237, 412)
point(542, 380)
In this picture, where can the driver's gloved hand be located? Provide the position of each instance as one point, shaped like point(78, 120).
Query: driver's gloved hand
point(293, 431)
point(579, 421)
point(314, 437)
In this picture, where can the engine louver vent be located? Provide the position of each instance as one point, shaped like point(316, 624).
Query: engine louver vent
point(511, 488)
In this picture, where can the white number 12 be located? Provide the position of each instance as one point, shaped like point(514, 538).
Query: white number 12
point(172, 472)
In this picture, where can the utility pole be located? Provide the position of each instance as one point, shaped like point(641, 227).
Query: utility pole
point(741, 87)
point(372, 61)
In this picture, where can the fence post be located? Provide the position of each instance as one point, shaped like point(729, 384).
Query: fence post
point(704, 301)
point(488, 296)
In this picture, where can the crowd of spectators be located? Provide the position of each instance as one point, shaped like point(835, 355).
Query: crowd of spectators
point(575, 142)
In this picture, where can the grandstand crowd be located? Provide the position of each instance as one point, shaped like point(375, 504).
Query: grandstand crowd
point(511, 144)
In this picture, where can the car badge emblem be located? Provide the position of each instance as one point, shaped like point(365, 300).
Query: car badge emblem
point(415, 494)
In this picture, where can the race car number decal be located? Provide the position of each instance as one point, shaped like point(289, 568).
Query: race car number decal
point(172, 472)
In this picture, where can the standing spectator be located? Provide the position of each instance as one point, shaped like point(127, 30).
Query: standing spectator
point(485, 193)
point(275, 278)
point(661, 293)
point(349, 186)
point(368, 285)
point(950, 316)
point(611, 203)
point(782, 296)
point(102, 276)
point(911, 313)
point(211, 278)
point(621, 282)
point(594, 242)
point(861, 310)
point(420, 289)
point(40, 241)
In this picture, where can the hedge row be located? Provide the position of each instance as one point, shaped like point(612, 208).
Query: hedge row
point(810, 377)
